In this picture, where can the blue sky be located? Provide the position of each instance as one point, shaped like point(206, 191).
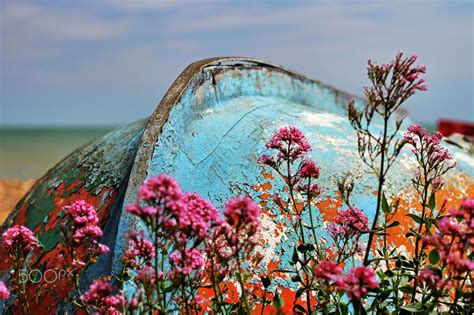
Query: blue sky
point(110, 62)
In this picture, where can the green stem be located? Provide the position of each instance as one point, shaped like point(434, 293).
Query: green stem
point(379, 190)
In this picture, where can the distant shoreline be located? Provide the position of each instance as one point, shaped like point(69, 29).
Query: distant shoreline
point(11, 192)
point(29, 152)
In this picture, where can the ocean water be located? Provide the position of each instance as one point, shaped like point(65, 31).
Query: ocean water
point(30, 152)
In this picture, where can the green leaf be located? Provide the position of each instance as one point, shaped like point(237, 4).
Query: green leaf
point(385, 206)
point(344, 307)
point(266, 281)
point(294, 258)
point(413, 307)
point(303, 248)
point(416, 218)
point(434, 257)
point(61, 214)
point(299, 308)
point(432, 202)
point(278, 301)
point(299, 293)
point(394, 223)
point(284, 270)
point(296, 278)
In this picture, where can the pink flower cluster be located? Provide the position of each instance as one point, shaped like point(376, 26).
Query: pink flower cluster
point(140, 251)
point(193, 230)
point(430, 278)
point(233, 238)
point(84, 221)
point(185, 262)
point(83, 230)
point(4, 293)
point(19, 240)
point(309, 169)
point(290, 143)
point(167, 207)
point(243, 211)
point(424, 143)
point(101, 298)
point(358, 282)
point(434, 160)
point(349, 222)
point(201, 214)
point(455, 238)
point(327, 270)
point(402, 71)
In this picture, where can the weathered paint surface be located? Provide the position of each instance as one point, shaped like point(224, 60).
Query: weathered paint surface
point(97, 173)
point(208, 132)
point(216, 132)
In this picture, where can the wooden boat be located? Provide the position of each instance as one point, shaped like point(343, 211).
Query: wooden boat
point(207, 132)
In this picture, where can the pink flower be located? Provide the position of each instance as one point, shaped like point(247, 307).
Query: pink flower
point(102, 249)
point(309, 169)
point(201, 214)
point(146, 276)
point(165, 202)
point(4, 293)
point(164, 188)
point(84, 221)
point(428, 277)
point(100, 297)
point(454, 239)
point(447, 225)
point(266, 160)
point(468, 206)
point(182, 266)
point(139, 251)
point(312, 191)
point(19, 239)
point(290, 143)
point(349, 222)
point(327, 270)
point(358, 282)
point(242, 211)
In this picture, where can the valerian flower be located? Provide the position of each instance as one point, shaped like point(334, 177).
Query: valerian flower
point(430, 278)
point(19, 240)
point(242, 211)
point(4, 293)
point(140, 251)
point(84, 220)
point(453, 239)
point(348, 222)
point(202, 214)
point(290, 143)
point(327, 270)
point(185, 262)
point(433, 159)
point(358, 282)
point(101, 298)
point(309, 169)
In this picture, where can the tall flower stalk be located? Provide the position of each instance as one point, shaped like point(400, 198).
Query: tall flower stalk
point(299, 172)
point(433, 162)
point(19, 241)
point(391, 85)
point(80, 231)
